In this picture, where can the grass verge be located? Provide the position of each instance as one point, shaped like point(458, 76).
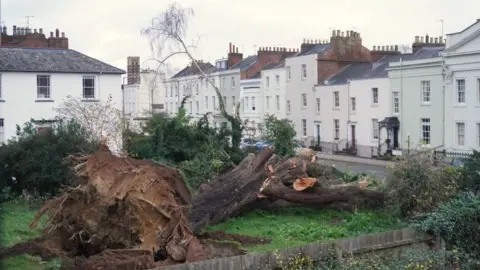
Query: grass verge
point(15, 217)
point(294, 226)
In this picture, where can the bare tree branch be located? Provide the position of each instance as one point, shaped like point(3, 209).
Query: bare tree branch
point(167, 35)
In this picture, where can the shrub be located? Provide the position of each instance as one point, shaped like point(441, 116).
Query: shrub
point(472, 173)
point(200, 151)
point(281, 133)
point(415, 185)
point(456, 222)
point(34, 162)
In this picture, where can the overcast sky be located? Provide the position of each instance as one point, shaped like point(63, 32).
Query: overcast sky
point(110, 30)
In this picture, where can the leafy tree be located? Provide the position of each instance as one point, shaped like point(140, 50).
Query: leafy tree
point(34, 161)
point(281, 133)
point(200, 151)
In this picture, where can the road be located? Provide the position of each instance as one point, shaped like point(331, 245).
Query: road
point(380, 171)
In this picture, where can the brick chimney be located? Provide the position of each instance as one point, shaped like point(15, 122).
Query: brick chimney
point(427, 41)
point(233, 56)
point(268, 55)
point(380, 51)
point(57, 41)
point(346, 45)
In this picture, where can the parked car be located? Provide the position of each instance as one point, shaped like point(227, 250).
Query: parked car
point(246, 142)
point(261, 144)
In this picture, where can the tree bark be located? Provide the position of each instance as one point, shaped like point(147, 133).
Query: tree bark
point(259, 181)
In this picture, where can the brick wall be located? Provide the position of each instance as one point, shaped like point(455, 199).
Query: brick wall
point(26, 38)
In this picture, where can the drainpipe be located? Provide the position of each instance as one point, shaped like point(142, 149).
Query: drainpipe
point(444, 69)
point(401, 99)
point(348, 110)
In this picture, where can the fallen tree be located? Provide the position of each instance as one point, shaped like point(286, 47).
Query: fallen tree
point(137, 212)
point(258, 181)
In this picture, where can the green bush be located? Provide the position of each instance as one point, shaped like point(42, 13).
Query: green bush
point(34, 162)
point(281, 133)
point(198, 150)
point(471, 169)
point(415, 185)
point(456, 222)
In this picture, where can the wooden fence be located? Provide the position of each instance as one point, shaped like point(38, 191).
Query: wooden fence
point(379, 242)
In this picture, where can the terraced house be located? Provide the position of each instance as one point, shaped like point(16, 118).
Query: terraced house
point(33, 81)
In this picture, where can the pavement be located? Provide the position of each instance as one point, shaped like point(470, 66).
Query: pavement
point(355, 164)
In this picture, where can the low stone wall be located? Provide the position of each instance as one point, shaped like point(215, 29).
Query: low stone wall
point(392, 241)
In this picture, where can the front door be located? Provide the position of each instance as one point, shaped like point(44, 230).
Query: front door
point(353, 135)
point(317, 129)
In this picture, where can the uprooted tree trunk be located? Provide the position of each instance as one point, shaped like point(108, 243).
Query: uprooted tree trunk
point(260, 180)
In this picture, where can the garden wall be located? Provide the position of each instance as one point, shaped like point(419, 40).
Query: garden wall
point(389, 242)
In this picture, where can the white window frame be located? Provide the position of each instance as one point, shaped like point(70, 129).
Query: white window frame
point(375, 129)
point(267, 82)
point(336, 99)
point(88, 87)
point(197, 105)
point(1, 86)
point(233, 102)
point(318, 104)
point(224, 82)
point(277, 101)
point(190, 107)
point(336, 129)
point(424, 123)
point(197, 89)
point(268, 102)
point(304, 127)
point(304, 71)
point(214, 102)
point(233, 82)
point(375, 95)
point(247, 104)
point(289, 73)
point(206, 103)
point(253, 104)
point(225, 101)
point(353, 104)
point(304, 100)
point(460, 134)
point(460, 91)
point(426, 92)
point(277, 81)
point(289, 106)
point(396, 102)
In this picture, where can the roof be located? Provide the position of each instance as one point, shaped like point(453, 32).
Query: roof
point(378, 69)
point(319, 48)
point(274, 65)
point(191, 70)
point(50, 60)
point(245, 63)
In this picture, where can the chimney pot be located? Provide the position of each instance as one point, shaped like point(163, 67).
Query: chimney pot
point(427, 39)
point(304, 40)
point(51, 34)
point(236, 49)
point(233, 48)
point(40, 30)
point(436, 40)
point(338, 33)
point(63, 34)
point(417, 39)
point(4, 30)
point(230, 47)
point(341, 34)
point(431, 40)
point(396, 48)
point(57, 33)
point(333, 33)
point(383, 48)
point(35, 31)
point(392, 48)
point(374, 48)
point(14, 30)
point(421, 39)
point(440, 39)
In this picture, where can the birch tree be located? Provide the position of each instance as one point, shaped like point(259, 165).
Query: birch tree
point(167, 34)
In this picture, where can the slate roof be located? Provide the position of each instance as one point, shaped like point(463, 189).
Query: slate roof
point(274, 65)
point(191, 70)
point(319, 48)
point(379, 69)
point(245, 63)
point(51, 60)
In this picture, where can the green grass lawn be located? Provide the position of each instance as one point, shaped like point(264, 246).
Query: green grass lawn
point(295, 226)
point(15, 217)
